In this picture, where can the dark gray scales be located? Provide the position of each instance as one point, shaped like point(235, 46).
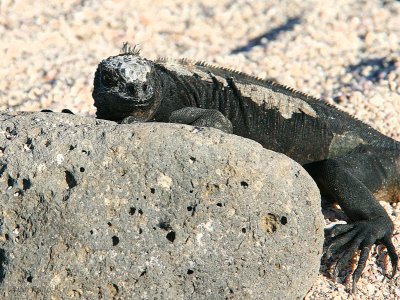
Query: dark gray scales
point(353, 164)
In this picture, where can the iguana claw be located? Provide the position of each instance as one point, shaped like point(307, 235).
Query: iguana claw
point(360, 235)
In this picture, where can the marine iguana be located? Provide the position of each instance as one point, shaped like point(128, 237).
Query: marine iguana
point(352, 164)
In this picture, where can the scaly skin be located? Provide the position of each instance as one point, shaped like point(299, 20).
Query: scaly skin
point(353, 164)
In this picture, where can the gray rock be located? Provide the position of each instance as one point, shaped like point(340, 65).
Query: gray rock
point(95, 210)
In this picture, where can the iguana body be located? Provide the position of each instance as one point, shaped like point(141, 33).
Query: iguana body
point(352, 163)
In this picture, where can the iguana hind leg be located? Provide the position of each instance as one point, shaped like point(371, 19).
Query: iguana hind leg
point(351, 182)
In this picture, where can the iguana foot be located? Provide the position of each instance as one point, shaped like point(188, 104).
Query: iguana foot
point(202, 117)
point(360, 235)
point(131, 120)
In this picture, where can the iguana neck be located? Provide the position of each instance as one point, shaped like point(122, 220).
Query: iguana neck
point(174, 94)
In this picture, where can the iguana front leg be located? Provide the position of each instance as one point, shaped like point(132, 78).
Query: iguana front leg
point(351, 181)
point(193, 116)
point(201, 117)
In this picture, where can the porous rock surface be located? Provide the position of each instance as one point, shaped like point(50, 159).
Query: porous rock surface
point(91, 209)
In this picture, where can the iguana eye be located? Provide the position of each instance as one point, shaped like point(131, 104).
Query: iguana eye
point(108, 79)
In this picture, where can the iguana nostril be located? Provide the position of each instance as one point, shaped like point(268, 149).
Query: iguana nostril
point(131, 88)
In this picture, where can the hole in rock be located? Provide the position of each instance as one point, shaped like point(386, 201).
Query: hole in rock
point(132, 211)
point(70, 179)
point(2, 169)
point(28, 144)
point(26, 184)
point(82, 169)
point(192, 209)
point(10, 134)
point(152, 190)
point(171, 236)
point(244, 184)
point(190, 272)
point(283, 220)
point(29, 278)
point(3, 262)
point(10, 181)
point(115, 240)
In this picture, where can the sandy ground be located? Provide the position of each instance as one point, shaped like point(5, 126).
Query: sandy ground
point(346, 52)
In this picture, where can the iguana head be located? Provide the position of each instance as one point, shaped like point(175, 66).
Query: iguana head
point(124, 85)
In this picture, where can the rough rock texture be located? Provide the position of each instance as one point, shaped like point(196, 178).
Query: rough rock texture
point(95, 210)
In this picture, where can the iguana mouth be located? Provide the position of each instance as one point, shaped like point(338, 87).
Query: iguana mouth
point(117, 107)
point(133, 101)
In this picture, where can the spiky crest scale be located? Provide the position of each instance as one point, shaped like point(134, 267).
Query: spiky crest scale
point(127, 49)
point(272, 83)
point(190, 62)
